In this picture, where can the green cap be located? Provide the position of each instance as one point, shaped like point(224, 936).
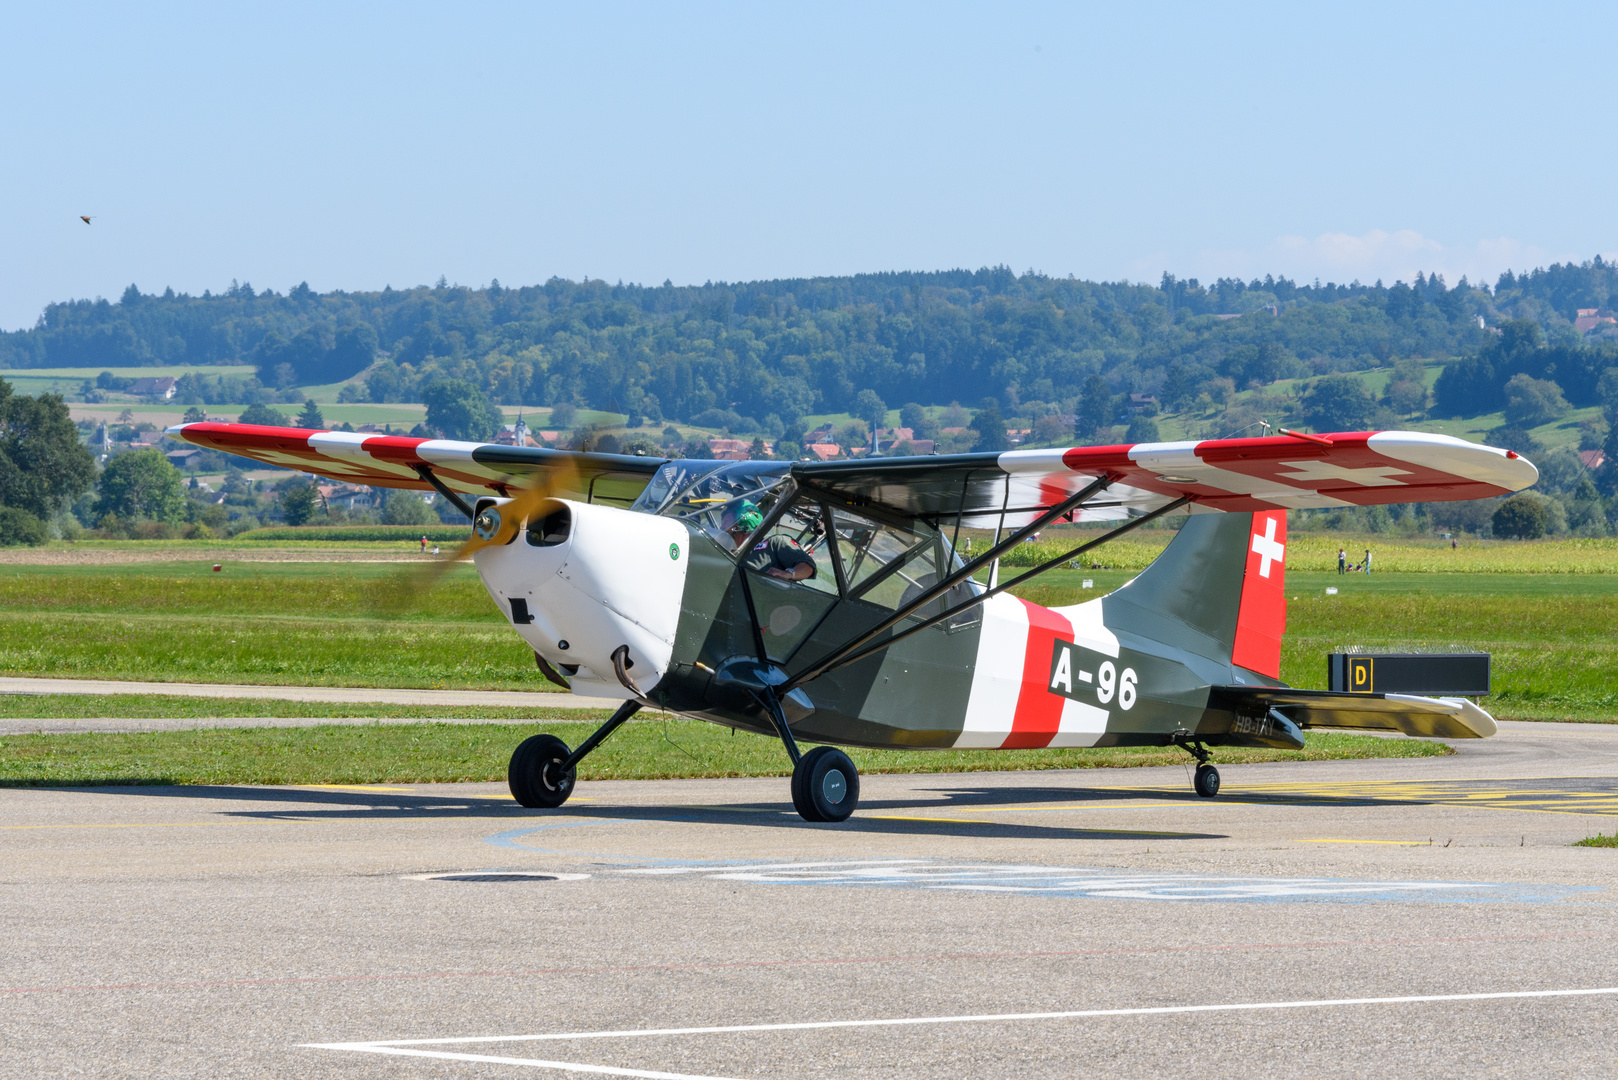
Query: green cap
point(742, 515)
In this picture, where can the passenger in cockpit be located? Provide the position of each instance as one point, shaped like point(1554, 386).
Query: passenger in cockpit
point(777, 556)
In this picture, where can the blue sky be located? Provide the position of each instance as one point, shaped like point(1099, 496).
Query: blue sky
point(356, 146)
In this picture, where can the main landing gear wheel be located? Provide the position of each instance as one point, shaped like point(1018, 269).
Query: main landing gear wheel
point(1206, 781)
point(535, 774)
point(825, 785)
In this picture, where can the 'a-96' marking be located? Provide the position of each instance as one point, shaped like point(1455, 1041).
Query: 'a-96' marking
point(1071, 679)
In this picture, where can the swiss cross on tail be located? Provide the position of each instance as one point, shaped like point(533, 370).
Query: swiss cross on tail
point(1262, 617)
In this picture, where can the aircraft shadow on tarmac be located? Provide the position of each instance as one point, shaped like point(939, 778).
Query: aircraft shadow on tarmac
point(929, 812)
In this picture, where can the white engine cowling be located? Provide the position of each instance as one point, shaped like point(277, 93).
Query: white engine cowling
point(595, 578)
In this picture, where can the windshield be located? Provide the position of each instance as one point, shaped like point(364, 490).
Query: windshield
point(717, 497)
point(670, 480)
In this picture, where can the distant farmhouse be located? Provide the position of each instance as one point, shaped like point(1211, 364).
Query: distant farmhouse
point(1590, 318)
point(162, 387)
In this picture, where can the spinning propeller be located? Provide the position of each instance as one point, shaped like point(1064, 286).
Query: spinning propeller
point(495, 525)
point(500, 524)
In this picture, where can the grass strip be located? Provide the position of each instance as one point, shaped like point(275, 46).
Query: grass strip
point(439, 753)
point(1598, 840)
point(179, 707)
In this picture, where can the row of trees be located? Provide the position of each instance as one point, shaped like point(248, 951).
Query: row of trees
point(787, 348)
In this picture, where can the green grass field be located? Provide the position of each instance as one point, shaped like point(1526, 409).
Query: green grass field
point(365, 624)
point(444, 753)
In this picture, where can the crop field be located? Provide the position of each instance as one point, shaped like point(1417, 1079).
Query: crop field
point(1553, 635)
point(1314, 552)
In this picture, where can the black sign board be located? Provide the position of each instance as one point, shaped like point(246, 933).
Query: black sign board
point(1465, 674)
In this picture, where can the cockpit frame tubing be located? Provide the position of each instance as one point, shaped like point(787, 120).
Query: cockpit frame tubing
point(927, 596)
point(966, 605)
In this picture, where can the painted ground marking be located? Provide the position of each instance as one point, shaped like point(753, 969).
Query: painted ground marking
point(1110, 883)
point(1581, 795)
point(415, 1047)
point(129, 825)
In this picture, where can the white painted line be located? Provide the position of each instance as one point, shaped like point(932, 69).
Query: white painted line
point(533, 1063)
point(401, 1045)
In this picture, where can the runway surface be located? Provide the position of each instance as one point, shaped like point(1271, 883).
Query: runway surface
point(1411, 917)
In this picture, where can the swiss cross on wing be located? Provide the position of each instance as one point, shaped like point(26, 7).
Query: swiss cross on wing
point(1262, 617)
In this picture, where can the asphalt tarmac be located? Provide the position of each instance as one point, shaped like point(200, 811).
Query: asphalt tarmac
point(1422, 917)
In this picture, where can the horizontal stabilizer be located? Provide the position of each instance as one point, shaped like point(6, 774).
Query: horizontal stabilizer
point(1446, 718)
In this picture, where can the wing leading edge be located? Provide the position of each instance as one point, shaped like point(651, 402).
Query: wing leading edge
point(396, 460)
point(1276, 472)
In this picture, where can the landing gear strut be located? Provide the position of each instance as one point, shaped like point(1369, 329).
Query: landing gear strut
point(825, 784)
point(1206, 779)
point(542, 771)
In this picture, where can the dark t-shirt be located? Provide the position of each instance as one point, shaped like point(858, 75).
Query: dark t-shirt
point(781, 552)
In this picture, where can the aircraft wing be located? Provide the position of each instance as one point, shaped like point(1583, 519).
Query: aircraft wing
point(1361, 468)
point(1448, 718)
point(1275, 472)
point(396, 460)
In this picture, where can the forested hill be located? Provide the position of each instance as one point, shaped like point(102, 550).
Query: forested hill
point(791, 347)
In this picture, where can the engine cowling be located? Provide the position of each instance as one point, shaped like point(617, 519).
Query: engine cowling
point(579, 581)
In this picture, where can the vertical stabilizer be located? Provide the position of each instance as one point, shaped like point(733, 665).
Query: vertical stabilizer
point(1218, 590)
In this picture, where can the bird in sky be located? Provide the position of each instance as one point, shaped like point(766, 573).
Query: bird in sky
point(85, 218)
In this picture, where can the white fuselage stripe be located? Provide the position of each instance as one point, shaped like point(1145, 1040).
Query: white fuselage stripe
point(997, 673)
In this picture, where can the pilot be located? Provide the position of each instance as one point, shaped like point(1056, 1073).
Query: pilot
point(777, 556)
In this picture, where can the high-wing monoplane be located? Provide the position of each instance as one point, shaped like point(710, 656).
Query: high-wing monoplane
point(833, 603)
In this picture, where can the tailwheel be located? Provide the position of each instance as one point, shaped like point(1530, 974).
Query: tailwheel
point(535, 774)
point(825, 785)
point(1206, 781)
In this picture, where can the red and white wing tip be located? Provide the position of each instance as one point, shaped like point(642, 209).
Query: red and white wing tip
point(1356, 468)
point(376, 460)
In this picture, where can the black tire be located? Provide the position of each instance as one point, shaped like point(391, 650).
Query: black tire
point(825, 785)
point(1206, 781)
point(532, 774)
point(800, 797)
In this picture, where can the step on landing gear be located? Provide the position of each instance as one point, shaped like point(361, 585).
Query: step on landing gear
point(825, 785)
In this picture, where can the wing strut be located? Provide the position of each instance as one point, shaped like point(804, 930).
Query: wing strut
point(950, 581)
point(427, 474)
point(844, 656)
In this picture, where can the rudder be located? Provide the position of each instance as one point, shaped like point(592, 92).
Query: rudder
point(1217, 590)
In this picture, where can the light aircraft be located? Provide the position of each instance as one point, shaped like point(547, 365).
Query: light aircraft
point(829, 602)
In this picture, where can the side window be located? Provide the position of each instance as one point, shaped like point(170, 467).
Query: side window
point(891, 566)
point(799, 535)
point(884, 564)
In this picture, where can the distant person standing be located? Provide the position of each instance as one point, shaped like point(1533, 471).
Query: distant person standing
point(1452, 544)
point(1342, 561)
point(1367, 560)
point(424, 545)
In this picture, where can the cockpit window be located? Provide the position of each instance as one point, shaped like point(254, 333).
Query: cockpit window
point(892, 566)
point(721, 498)
point(670, 480)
